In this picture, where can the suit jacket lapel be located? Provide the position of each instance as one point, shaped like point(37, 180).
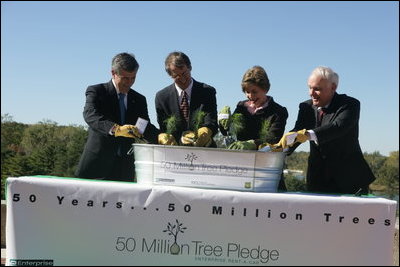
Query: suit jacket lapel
point(327, 117)
point(194, 98)
point(130, 107)
point(315, 109)
point(173, 100)
point(114, 104)
point(331, 110)
point(315, 114)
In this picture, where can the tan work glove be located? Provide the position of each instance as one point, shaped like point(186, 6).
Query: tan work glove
point(204, 135)
point(290, 138)
point(302, 136)
point(126, 130)
point(283, 143)
point(166, 139)
point(188, 138)
point(243, 145)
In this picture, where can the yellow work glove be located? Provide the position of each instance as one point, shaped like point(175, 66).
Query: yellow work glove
point(224, 117)
point(188, 138)
point(166, 139)
point(290, 138)
point(243, 145)
point(302, 136)
point(283, 143)
point(126, 130)
point(204, 135)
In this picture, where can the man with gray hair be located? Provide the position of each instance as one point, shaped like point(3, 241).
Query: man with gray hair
point(113, 110)
point(330, 122)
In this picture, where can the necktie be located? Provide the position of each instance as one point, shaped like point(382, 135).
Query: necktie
point(122, 107)
point(321, 113)
point(185, 107)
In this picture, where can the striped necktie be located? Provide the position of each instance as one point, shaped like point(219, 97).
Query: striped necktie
point(185, 107)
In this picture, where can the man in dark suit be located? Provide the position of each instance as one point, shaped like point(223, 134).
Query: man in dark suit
point(330, 121)
point(171, 101)
point(112, 109)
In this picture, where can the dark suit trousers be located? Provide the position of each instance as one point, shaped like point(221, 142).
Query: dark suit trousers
point(123, 169)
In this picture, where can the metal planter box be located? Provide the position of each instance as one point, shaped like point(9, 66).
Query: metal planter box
point(208, 167)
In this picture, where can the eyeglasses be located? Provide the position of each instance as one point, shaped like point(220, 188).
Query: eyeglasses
point(179, 75)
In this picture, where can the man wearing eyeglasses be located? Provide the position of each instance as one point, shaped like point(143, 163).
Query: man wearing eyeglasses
point(193, 105)
point(112, 111)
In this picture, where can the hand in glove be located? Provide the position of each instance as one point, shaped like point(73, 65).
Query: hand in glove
point(127, 130)
point(204, 135)
point(243, 145)
point(224, 117)
point(187, 138)
point(290, 138)
point(287, 140)
point(166, 139)
point(302, 136)
point(271, 147)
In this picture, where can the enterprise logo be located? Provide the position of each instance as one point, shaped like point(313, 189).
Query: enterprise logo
point(14, 262)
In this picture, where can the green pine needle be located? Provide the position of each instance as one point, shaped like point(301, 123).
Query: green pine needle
point(237, 124)
point(198, 119)
point(226, 110)
point(264, 131)
point(172, 124)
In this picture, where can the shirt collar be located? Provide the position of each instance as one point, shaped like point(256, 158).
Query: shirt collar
point(253, 109)
point(324, 108)
point(116, 89)
point(188, 90)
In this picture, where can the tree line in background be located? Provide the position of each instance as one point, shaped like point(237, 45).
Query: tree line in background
point(46, 148)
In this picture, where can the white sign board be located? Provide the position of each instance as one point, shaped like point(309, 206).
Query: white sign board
point(65, 221)
point(210, 168)
point(194, 169)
